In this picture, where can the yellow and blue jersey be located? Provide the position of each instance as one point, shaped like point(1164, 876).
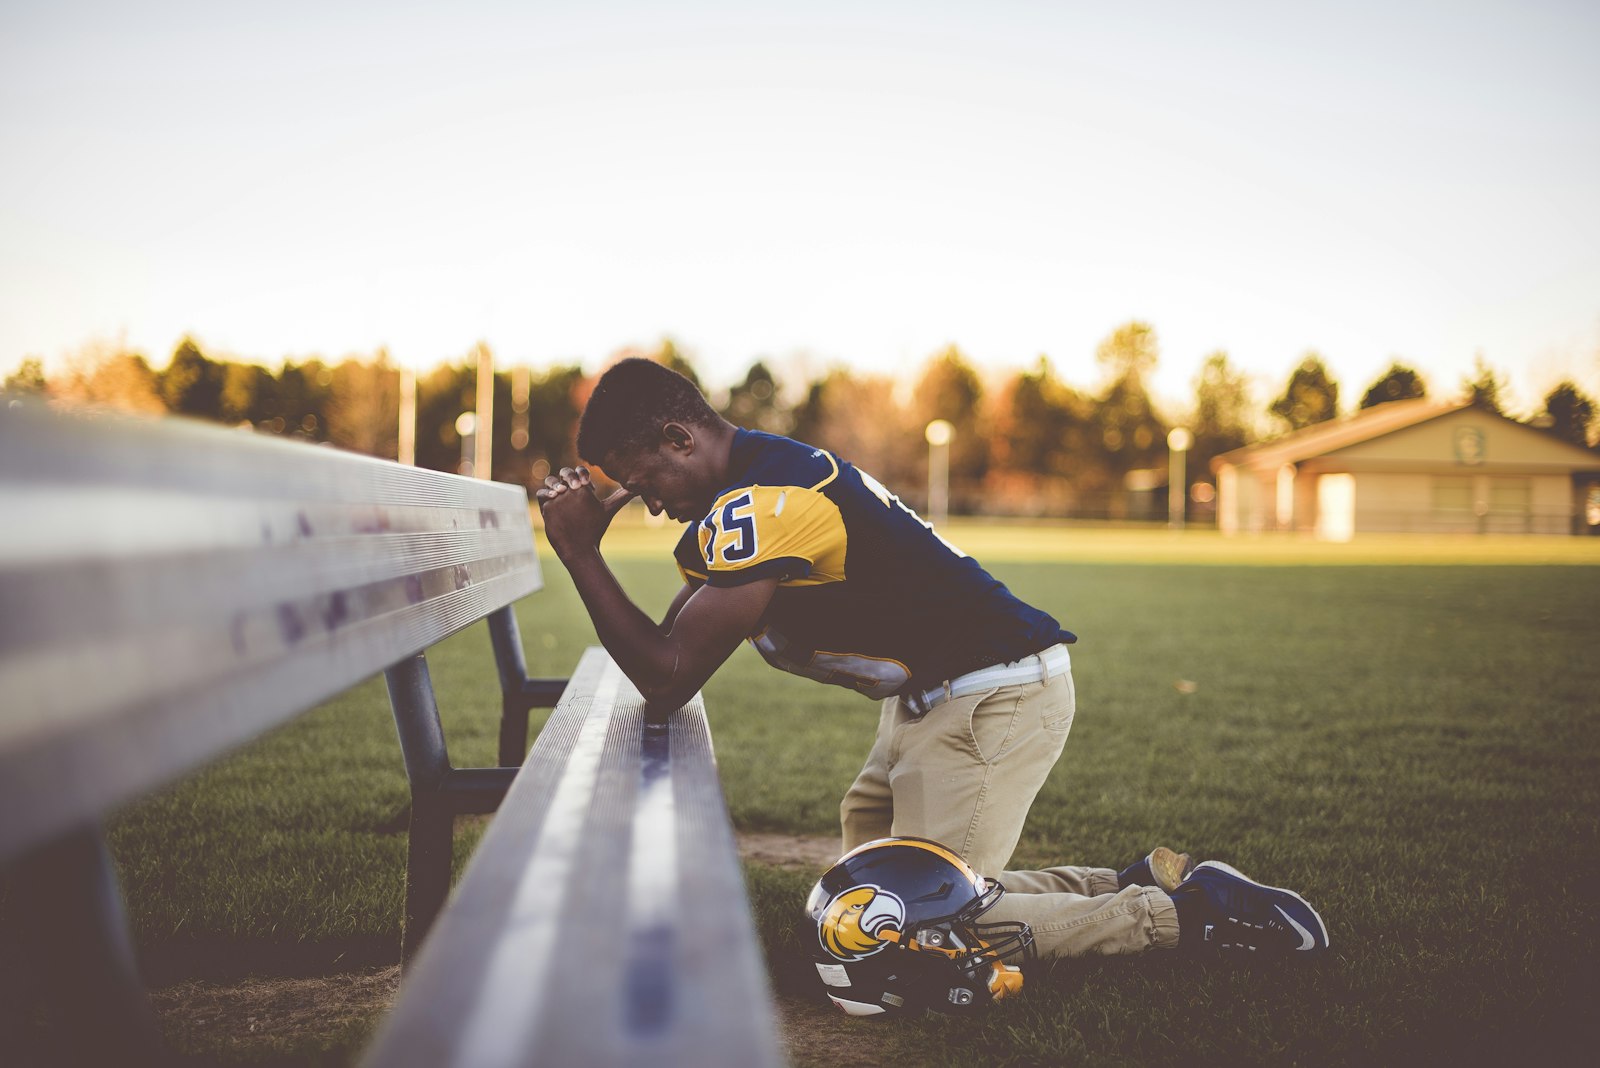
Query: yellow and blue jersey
point(869, 596)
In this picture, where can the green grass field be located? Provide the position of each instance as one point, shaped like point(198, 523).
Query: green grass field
point(1407, 731)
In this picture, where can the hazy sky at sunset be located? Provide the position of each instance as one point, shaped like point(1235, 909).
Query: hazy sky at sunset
point(862, 181)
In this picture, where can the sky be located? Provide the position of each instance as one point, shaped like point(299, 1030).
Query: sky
point(818, 184)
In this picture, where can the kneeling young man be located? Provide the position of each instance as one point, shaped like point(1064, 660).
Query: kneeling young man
point(830, 576)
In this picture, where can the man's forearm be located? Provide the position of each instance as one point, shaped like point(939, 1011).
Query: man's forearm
point(646, 655)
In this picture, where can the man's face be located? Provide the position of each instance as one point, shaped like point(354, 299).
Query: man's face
point(666, 478)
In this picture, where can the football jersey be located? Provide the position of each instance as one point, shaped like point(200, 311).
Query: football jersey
point(869, 596)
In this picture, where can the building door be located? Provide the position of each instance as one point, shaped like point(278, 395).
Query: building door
point(1510, 505)
point(1336, 507)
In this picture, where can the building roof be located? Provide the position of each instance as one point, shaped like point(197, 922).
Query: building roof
point(1323, 438)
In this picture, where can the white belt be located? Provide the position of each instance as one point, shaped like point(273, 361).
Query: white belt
point(1040, 667)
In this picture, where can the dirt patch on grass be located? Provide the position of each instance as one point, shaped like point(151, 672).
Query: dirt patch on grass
point(323, 1019)
point(293, 1021)
point(801, 851)
point(817, 1035)
point(327, 1020)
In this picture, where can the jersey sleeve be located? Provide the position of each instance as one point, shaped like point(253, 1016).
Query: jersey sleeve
point(686, 555)
point(769, 531)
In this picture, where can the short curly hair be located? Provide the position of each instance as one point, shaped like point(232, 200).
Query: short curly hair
point(630, 404)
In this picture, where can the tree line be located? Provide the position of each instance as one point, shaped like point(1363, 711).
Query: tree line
point(1025, 443)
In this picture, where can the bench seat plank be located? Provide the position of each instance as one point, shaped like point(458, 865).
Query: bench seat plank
point(603, 919)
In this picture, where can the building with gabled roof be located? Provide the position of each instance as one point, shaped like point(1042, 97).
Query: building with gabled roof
point(1416, 465)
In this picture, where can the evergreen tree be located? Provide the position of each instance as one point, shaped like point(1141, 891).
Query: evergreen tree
point(300, 403)
point(1130, 435)
point(553, 409)
point(193, 384)
point(1221, 420)
point(673, 358)
point(1570, 413)
point(1399, 382)
point(1486, 388)
point(28, 378)
point(1311, 397)
point(247, 393)
point(949, 389)
point(1042, 454)
point(754, 403)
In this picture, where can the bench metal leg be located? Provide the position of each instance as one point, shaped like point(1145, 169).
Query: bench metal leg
point(439, 792)
point(518, 693)
point(416, 718)
point(427, 870)
point(513, 731)
point(77, 952)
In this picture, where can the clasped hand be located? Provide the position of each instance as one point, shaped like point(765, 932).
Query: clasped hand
point(575, 516)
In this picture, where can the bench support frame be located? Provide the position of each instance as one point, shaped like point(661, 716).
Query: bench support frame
point(440, 792)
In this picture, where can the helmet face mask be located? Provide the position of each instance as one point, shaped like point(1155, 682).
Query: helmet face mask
point(896, 930)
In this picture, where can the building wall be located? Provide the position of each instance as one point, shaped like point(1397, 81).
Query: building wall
point(1556, 507)
point(1450, 503)
point(1394, 502)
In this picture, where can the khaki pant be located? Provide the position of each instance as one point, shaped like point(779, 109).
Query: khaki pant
point(965, 775)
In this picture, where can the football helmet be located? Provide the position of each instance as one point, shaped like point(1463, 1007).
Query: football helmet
point(896, 931)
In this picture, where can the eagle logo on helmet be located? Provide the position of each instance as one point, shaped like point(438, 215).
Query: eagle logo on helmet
point(852, 925)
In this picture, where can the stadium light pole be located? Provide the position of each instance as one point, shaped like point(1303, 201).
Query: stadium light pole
point(483, 431)
point(467, 428)
point(939, 432)
point(407, 450)
point(1178, 442)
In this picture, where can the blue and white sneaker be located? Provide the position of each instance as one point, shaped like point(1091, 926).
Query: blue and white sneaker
point(1220, 908)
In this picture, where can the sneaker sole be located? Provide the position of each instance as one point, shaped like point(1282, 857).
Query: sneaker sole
point(1169, 868)
point(1322, 928)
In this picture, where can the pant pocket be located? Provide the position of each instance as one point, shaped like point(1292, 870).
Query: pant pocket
point(1058, 703)
point(991, 723)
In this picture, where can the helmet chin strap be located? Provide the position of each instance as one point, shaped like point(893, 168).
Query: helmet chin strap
point(1005, 980)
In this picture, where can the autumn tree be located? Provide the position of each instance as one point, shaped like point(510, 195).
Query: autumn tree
point(109, 376)
point(363, 408)
point(1569, 413)
point(1131, 350)
point(1041, 443)
point(859, 418)
point(1399, 382)
point(1311, 397)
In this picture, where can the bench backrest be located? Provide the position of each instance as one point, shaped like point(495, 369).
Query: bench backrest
point(169, 590)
